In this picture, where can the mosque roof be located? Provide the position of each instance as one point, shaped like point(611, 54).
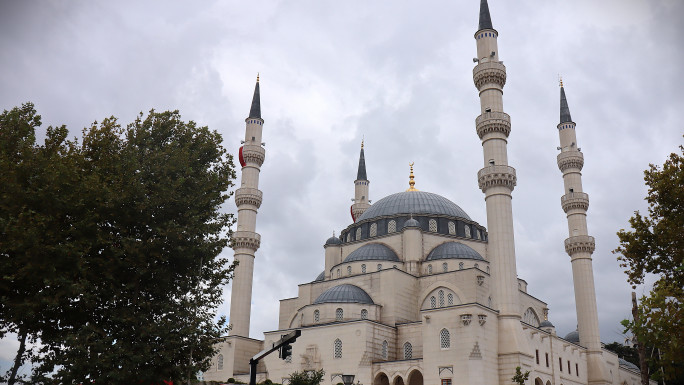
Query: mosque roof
point(573, 337)
point(372, 252)
point(628, 364)
point(453, 250)
point(411, 223)
point(546, 323)
point(333, 241)
point(320, 276)
point(344, 293)
point(413, 202)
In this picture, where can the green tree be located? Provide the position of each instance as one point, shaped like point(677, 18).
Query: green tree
point(129, 282)
point(655, 245)
point(627, 353)
point(520, 377)
point(307, 377)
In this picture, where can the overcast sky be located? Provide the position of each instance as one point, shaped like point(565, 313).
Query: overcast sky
point(398, 73)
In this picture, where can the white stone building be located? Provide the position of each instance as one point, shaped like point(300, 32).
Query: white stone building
point(414, 291)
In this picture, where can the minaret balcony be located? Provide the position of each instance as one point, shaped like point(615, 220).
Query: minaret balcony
point(570, 159)
point(245, 240)
point(248, 196)
point(579, 244)
point(489, 72)
point(496, 175)
point(575, 201)
point(493, 122)
point(253, 153)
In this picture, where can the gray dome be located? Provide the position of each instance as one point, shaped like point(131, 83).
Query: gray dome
point(333, 241)
point(572, 337)
point(413, 202)
point(320, 276)
point(453, 250)
point(411, 223)
point(546, 324)
point(372, 252)
point(628, 365)
point(344, 294)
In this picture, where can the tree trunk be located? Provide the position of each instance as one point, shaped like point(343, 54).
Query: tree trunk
point(18, 360)
point(640, 346)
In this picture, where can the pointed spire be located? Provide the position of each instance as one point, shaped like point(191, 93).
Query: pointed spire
point(564, 109)
point(255, 111)
point(485, 19)
point(412, 182)
point(361, 174)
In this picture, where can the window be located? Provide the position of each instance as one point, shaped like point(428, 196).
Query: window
point(477, 234)
point(560, 363)
point(547, 359)
point(445, 267)
point(317, 315)
point(348, 270)
point(577, 370)
point(441, 298)
point(450, 299)
point(536, 352)
point(348, 237)
point(339, 314)
point(530, 317)
point(467, 231)
point(219, 363)
point(338, 273)
point(338, 348)
point(452, 228)
point(408, 351)
point(379, 266)
point(429, 269)
point(444, 339)
point(384, 350)
point(432, 225)
point(391, 226)
point(433, 302)
point(358, 233)
point(460, 265)
point(446, 381)
point(569, 371)
point(363, 268)
point(364, 314)
point(373, 229)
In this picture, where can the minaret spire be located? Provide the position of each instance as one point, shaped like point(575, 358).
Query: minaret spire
point(564, 109)
point(361, 202)
point(485, 18)
point(361, 173)
point(255, 110)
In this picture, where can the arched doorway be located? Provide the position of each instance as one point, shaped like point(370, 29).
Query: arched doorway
point(415, 378)
point(538, 381)
point(381, 379)
point(398, 381)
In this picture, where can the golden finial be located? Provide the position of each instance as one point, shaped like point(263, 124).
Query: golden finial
point(412, 183)
point(362, 142)
point(257, 77)
point(333, 233)
point(560, 80)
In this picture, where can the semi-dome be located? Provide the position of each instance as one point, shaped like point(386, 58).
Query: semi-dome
point(320, 277)
point(411, 223)
point(344, 293)
point(372, 252)
point(453, 250)
point(413, 202)
point(628, 365)
point(333, 241)
point(573, 337)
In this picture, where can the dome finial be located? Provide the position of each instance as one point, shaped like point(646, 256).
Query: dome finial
point(257, 77)
point(560, 80)
point(362, 138)
point(412, 183)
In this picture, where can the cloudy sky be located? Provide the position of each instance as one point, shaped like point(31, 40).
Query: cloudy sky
point(395, 72)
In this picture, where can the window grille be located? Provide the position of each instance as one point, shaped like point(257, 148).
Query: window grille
point(429, 269)
point(339, 314)
point(460, 265)
point(467, 231)
point(317, 315)
point(477, 234)
point(338, 348)
point(433, 225)
point(450, 299)
point(452, 228)
point(391, 226)
point(433, 302)
point(373, 229)
point(379, 266)
point(445, 267)
point(446, 381)
point(363, 268)
point(219, 364)
point(441, 298)
point(358, 233)
point(444, 339)
point(348, 270)
point(338, 273)
point(408, 351)
point(364, 314)
point(384, 350)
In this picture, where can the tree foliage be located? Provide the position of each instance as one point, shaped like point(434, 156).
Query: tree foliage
point(520, 377)
point(110, 247)
point(655, 245)
point(307, 377)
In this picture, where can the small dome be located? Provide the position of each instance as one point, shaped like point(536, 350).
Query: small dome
point(372, 252)
point(411, 223)
point(572, 337)
point(320, 277)
point(628, 365)
point(413, 202)
point(344, 294)
point(333, 241)
point(546, 324)
point(453, 250)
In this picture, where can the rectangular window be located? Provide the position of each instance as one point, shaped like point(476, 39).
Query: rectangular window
point(569, 371)
point(560, 363)
point(577, 370)
point(547, 359)
point(537, 354)
point(446, 381)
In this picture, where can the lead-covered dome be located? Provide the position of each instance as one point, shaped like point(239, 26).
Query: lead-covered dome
point(413, 202)
point(344, 293)
point(453, 250)
point(573, 337)
point(372, 252)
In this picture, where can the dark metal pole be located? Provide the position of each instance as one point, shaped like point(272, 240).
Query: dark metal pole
point(252, 371)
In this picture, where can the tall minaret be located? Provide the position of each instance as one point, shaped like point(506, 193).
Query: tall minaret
point(497, 180)
point(361, 202)
point(248, 199)
point(579, 244)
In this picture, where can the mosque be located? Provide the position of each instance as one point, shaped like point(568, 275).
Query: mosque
point(414, 291)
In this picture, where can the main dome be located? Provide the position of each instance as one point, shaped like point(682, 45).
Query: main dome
point(413, 202)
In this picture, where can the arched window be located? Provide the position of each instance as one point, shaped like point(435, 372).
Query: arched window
point(338, 273)
point(433, 302)
point(429, 269)
point(391, 226)
point(363, 268)
point(338, 348)
point(358, 233)
point(373, 229)
point(348, 270)
point(444, 339)
point(530, 317)
point(408, 351)
point(452, 228)
point(339, 314)
point(364, 314)
point(432, 224)
point(379, 266)
point(219, 362)
point(450, 299)
point(445, 267)
point(441, 298)
point(348, 237)
point(384, 350)
point(467, 231)
point(317, 315)
point(460, 265)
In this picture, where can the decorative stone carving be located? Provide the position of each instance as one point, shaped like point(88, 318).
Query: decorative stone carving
point(492, 122)
point(466, 318)
point(475, 354)
point(580, 243)
point(480, 280)
point(570, 159)
point(575, 200)
point(482, 319)
point(489, 73)
point(246, 240)
point(254, 154)
point(249, 196)
point(497, 175)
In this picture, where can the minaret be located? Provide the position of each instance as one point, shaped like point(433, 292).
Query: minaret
point(245, 240)
point(497, 180)
point(361, 202)
point(579, 244)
